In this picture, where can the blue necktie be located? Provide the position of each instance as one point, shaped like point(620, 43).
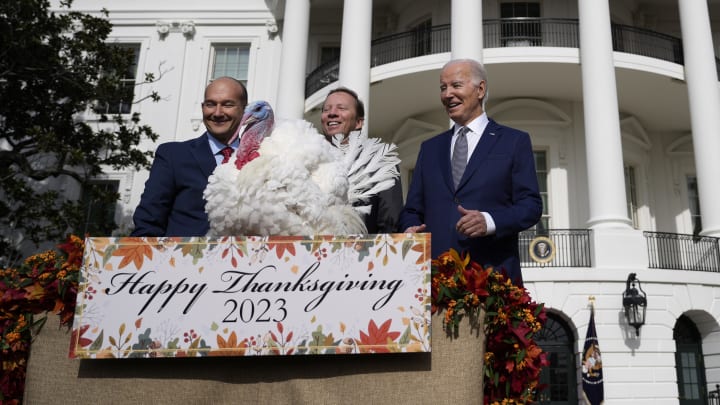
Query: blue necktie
point(459, 156)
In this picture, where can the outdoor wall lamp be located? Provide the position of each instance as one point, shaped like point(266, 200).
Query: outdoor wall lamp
point(634, 303)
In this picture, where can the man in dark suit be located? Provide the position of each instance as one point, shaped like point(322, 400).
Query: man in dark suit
point(496, 195)
point(172, 203)
point(342, 113)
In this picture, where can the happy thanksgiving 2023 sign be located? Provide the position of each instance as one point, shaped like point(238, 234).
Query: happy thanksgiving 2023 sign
point(242, 296)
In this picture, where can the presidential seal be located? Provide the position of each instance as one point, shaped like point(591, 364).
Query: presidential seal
point(542, 249)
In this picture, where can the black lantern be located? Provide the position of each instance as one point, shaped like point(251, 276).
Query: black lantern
point(635, 303)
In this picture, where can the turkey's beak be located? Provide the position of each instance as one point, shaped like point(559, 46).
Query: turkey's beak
point(249, 121)
point(245, 123)
point(238, 133)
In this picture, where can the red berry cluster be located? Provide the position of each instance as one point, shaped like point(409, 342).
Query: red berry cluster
point(320, 254)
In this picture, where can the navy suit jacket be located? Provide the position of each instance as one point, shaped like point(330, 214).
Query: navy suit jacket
point(172, 203)
point(499, 179)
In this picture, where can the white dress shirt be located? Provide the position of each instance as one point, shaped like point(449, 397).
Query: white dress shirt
point(477, 127)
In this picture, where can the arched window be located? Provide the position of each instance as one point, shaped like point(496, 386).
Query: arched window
point(689, 363)
point(560, 378)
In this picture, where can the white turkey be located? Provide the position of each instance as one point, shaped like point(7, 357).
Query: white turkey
point(288, 180)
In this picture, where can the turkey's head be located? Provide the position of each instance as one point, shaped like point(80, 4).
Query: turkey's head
point(258, 122)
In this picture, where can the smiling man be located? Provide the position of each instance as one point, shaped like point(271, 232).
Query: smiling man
point(474, 186)
point(172, 203)
point(342, 113)
point(343, 116)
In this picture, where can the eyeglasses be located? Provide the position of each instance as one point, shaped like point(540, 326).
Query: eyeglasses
point(211, 105)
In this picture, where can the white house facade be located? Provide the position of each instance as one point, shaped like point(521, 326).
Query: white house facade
point(622, 103)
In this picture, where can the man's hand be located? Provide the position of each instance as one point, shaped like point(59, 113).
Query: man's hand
point(415, 229)
point(472, 223)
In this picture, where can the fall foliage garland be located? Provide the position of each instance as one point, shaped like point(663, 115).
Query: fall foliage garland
point(513, 360)
point(48, 281)
point(45, 282)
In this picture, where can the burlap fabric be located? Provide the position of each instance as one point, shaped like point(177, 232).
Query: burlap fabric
point(451, 374)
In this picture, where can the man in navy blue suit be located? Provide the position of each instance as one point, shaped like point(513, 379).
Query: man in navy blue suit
point(172, 203)
point(496, 195)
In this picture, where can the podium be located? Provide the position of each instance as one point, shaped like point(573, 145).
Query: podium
point(452, 373)
point(117, 294)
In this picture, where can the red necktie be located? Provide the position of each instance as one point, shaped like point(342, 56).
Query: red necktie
point(226, 152)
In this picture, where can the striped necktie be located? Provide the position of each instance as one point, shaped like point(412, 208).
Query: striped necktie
point(459, 156)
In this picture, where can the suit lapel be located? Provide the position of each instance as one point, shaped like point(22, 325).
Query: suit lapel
point(443, 159)
point(200, 148)
point(488, 139)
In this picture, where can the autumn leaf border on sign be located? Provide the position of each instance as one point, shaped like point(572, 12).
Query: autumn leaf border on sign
point(133, 250)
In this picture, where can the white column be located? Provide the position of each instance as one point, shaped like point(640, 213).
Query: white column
point(355, 49)
point(702, 82)
point(603, 143)
point(466, 35)
point(291, 84)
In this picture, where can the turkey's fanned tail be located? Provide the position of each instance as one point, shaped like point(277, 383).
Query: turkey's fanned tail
point(371, 168)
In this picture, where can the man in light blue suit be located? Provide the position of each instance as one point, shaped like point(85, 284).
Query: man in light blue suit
point(496, 195)
point(172, 203)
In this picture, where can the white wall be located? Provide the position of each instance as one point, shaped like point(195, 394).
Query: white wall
point(636, 370)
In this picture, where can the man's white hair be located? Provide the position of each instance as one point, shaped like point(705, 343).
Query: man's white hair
point(477, 74)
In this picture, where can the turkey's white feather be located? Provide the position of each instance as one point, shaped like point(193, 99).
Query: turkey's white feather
point(371, 167)
point(297, 186)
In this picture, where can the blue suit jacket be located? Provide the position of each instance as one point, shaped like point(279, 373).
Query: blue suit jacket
point(499, 179)
point(172, 203)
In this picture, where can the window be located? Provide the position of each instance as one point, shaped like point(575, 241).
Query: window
point(423, 37)
point(694, 204)
point(559, 379)
point(631, 195)
point(520, 24)
point(689, 362)
point(542, 177)
point(329, 54)
point(519, 9)
point(230, 60)
point(99, 200)
point(123, 103)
